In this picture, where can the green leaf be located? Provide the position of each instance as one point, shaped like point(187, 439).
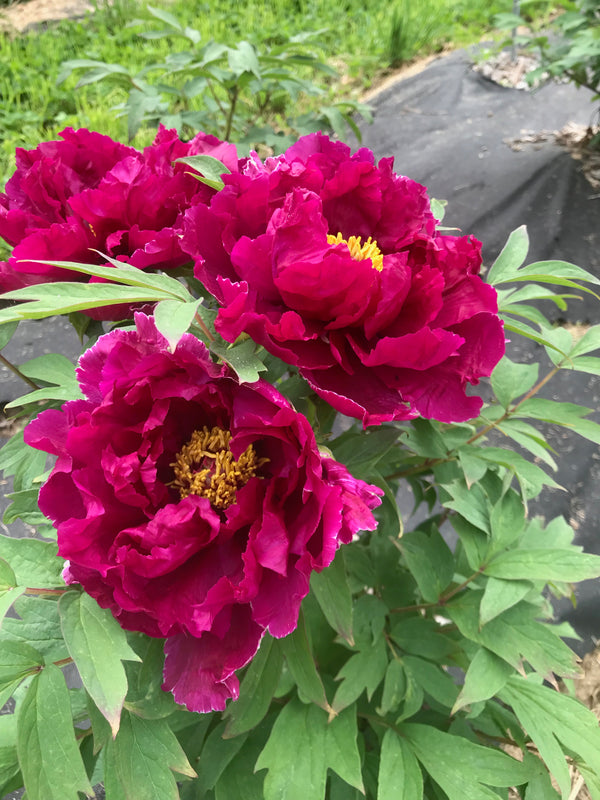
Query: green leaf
point(8, 579)
point(544, 564)
point(472, 504)
point(6, 333)
point(499, 595)
point(62, 393)
point(514, 635)
point(241, 358)
point(301, 664)
point(555, 721)
point(239, 779)
point(511, 258)
point(48, 753)
point(7, 598)
point(217, 753)
point(332, 591)
point(52, 368)
point(97, 644)
point(400, 776)
point(39, 626)
point(394, 687)
point(138, 764)
point(18, 659)
point(432, 679)
point(363, 671)
point(486, 675)
point(243, 59)
point(256, 690)
point(510, 380)
point(210, 169)
point(35, 563)
point(173, 318)
point(316, 745)
point(589, 342)
point(462, 769)
point(507, 520)
point(430, 561)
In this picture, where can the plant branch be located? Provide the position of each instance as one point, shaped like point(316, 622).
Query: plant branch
point(443, 598)
point(18, 372)
point(202, 325)
point(36, 591)
point(234, 99)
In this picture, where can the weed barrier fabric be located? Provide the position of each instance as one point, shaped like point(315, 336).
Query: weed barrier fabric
point(445, 127)
point(448, 128)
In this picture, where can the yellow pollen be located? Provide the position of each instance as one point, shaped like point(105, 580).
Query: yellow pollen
point(205, 466)
point(358, 251)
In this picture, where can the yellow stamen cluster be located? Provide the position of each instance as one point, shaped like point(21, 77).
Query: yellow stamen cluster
point(358, 251)
point(205, 466)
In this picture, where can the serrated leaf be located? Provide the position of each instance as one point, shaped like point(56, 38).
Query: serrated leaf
point(512, 256)
point(97, 644)
point(486, 675)
point(463, 769)
point(499, 595)
point(256, 690)
point(173, 318)
point(316, 746)
point(430, 561)
point(139, 763)
point(241, 358)
point(555, 721)
point(363, 671)
point(400, 776)
point(569, 565)
point(332, 591)
point(35, 563)
point(301, 664)
point(48, 753)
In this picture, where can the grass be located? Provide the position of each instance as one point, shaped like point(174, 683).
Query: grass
point(373, 37)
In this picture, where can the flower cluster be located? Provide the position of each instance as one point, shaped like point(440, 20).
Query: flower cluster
point(334, 264)
point(193, 506)
point(75, 199)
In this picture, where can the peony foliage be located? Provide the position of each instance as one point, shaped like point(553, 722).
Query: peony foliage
point(226, 592)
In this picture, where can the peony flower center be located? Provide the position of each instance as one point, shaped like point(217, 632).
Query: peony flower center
point(205, 466)
point(358, 251)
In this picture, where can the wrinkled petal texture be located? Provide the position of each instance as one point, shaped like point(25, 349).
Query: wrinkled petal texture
point(385, 334)
point(210, 579)
point(85, 195)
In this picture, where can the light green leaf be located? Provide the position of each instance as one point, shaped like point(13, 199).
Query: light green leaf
point(97, 644)
point(400, 776)
point(35, 563)
point(544, 564)
point(486, 675)
point(589, 342)
point(7, 598)
point(48, 753)
point(510, 380)
point(512, 256)
point(316, 745)
point(241, 358)
point(588, 364)
point(556, 269)
point(210, 169)
point(301, 664)
point(8, 579)
point(555, 721)
point(18, 659)
point(332, 591)
point(463, 769)
point(138, 764)
point(256, 690)
point(363, 671)
point(52, 368)
point(62, 393)
point(173, 318)
point(38, 626)
point(499, 595)
point(243, 59)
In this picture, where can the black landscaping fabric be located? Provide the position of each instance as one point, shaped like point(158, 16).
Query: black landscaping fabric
point(447, 128)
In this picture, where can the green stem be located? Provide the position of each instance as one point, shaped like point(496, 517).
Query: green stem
point(18, 372)
point(442, 599)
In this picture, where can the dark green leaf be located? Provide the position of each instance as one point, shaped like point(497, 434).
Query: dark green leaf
point(507, 520)
point(256, 690)
point(472, 504)
point(332, 591)
point(217, 753)
point(363, 671)
point(48, 753)
point(394, 687)
point(430, 560)
point(301, 664)
point(499, 595)
point(138, 764)
point(399, 772)
point(432, 679)
point(6, 333)
point(239, 779)
point(97, 644)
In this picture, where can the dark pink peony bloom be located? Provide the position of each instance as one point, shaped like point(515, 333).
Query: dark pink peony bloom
point(87, 193)
point(195, 508)
point(334, 265)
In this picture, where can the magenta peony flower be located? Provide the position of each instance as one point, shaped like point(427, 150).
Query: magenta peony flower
point(87, 193)
point(195, 508)
point(333, 264)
